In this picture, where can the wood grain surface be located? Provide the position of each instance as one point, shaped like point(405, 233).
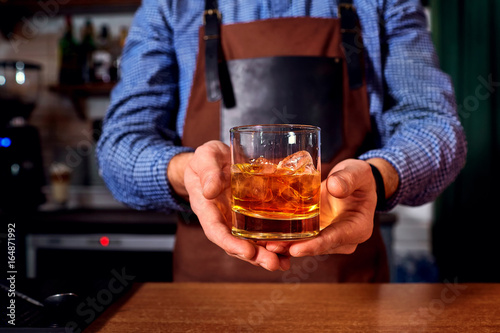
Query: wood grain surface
point(205, 307)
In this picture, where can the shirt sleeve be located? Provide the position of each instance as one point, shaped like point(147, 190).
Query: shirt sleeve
point(420, 132)
point(138, 138)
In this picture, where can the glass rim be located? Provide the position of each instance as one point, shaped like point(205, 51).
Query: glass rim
point(274, 128)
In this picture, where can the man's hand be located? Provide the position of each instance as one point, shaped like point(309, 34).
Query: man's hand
point(348, 200)
point(207, 181)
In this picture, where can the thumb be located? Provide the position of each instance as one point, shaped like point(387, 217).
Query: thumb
point(340, 184)
point(212, 184)
point(208, 163)
point(354, 176)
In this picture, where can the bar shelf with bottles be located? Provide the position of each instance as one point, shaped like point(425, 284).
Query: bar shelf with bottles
point(89, 67)
point(75, 6)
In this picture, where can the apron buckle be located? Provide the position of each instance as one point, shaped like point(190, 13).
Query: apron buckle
point(345, 6)
point(210, 12)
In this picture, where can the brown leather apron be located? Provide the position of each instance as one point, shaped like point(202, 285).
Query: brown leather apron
point(271, 70)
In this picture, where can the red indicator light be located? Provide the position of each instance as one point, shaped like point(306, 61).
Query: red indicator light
point(104, 241)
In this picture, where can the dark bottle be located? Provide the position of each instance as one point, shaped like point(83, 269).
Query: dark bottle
point(69, 67)
point(102, 58)
point(87, 48)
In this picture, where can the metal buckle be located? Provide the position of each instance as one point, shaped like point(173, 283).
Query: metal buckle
point(345, 6)
point(211, 12)
point(209, 37)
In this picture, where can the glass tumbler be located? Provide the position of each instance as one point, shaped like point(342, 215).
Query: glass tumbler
point(275, 181)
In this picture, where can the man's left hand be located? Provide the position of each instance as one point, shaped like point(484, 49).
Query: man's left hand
point(348, 200)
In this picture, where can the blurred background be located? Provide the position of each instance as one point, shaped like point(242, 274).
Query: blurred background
point(58, 63)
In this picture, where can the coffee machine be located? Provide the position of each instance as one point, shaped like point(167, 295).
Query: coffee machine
point(21, 167)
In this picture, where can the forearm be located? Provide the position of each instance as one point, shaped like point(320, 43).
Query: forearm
point(138, 138)
point(420, 134)
point(426, 155)
point(132, 164)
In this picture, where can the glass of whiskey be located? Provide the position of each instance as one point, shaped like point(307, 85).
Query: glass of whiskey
point(275, 181)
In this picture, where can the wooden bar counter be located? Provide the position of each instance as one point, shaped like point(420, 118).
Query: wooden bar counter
point(223, 307)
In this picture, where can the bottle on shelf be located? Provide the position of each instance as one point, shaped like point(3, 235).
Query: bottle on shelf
point(87, 48)
point(69, 67)
point(101, 57)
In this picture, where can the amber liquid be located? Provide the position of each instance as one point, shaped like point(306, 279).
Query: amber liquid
point(274, 205)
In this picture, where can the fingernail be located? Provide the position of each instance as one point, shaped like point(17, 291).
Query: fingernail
point(342, 184)
point(207, 184)
point(279, 248)
point(264, 265)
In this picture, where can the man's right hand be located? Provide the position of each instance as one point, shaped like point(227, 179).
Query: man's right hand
point(207, 183)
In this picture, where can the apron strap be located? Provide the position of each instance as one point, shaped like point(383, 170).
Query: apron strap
point(212, 21)
point(352, 42)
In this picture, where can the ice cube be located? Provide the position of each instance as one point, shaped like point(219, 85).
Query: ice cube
point(261, 192)
point(239, 168)
point(299, 162)
point(307, 186)
point(307, 169)
point(249, 184)
point(288, 199)
point(289, 194)
point(260, 160)
point(262, 165)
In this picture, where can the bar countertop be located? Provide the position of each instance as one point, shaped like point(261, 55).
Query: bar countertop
point(224, 307)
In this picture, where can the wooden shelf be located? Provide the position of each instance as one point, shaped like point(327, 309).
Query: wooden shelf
point(74, 6)
point(79, 93)
point(85, 90)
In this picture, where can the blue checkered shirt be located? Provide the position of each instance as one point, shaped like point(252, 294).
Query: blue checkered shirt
point(412, 102)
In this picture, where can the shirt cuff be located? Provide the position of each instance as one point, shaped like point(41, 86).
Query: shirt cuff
point(150, 173)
